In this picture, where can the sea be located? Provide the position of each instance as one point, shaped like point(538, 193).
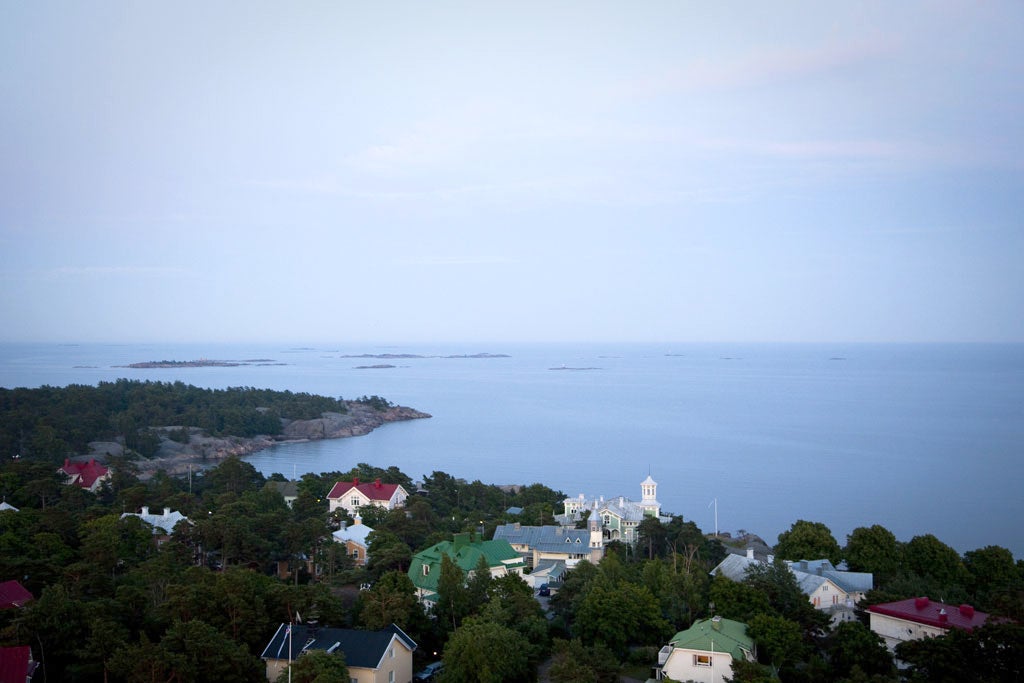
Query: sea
point(920, 438)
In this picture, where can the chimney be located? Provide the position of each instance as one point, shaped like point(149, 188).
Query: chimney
point(145, 509)
point(460, 540)
point(967, 611)
point(67, 463)
point(750, 553)
point(921, 603)
point(376, 484)
point(943, 617)
point(355, 481)
point(167, 512)
point(716, 623)
point(357, 520)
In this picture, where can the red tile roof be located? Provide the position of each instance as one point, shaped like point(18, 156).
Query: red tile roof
point(924, 611)
point(15, 663)
point(88, 472)
point(13, 594)
point(374, 491)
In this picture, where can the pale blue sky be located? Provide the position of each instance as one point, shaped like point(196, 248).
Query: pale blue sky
point(528, 171)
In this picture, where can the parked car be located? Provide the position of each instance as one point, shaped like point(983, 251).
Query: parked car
point(544, 590)
point(429, 672)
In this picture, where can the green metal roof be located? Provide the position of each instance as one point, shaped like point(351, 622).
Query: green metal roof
point(729, 636)
point(465, 550)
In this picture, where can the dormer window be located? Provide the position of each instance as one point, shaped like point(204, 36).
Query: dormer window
point(426, 570)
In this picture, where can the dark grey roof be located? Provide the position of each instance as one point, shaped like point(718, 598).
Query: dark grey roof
point(288, 489)
point(363, 649)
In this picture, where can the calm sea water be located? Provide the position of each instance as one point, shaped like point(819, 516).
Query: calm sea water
point(918, 438)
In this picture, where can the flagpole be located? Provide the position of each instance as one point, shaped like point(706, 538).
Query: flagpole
point(289, 652)
point(715, 503)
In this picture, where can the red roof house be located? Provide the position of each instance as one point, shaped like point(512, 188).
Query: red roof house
point(16, 664)
point(352, 495)
point(13, 594)
point(917, 618)
point(87, 475)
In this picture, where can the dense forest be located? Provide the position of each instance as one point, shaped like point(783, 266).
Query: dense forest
point(110, 605)
point(50, 422)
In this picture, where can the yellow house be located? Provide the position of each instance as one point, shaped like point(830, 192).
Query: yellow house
point(383, 656)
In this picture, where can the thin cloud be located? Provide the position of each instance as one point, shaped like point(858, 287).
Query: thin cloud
point(765, 67)
point(116, 271)
point(444, 261)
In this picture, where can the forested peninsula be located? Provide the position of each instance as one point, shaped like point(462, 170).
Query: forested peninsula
point(172, 425)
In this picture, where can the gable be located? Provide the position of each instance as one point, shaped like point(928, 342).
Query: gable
point(362, 649)
point(13, 594)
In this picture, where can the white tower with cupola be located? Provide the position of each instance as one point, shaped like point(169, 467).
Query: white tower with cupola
point(649, 497)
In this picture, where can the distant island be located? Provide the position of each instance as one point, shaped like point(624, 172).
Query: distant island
point(564, 367)
point(400, 356)
point(382, 366)
point(201, 363)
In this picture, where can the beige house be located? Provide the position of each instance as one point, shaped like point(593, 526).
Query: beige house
point(829, 589)
point(544, 544)
point(355, 539)
point(383, 656)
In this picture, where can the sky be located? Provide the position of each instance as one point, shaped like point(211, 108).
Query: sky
point(518, 171)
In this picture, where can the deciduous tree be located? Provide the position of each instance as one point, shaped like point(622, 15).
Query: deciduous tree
point(485, 652)
point(808, 541)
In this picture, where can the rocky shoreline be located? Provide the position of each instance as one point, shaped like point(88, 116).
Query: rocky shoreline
point(202, 451)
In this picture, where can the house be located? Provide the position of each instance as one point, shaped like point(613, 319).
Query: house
point(918, 618)
point(354, 538)
point(834, 590)
point(619, 516)
point(352, 495)
point(289, 490)
point(7, 507)
point(163, 524)
point(827, 588)
point(705, 651)
point(16, 664)
point(465, 549)
point(87, 475)
point(383, 656)
point(13, 594)
point(538, 544)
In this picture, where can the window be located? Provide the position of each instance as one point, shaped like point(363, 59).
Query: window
point(391, 677)
point(355, 501)
point(391, 652)
point(426, 570)
point(702, 660)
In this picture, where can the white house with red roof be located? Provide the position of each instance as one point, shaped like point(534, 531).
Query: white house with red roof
point(918, 618)
point(352, 495)
point(87, 475)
